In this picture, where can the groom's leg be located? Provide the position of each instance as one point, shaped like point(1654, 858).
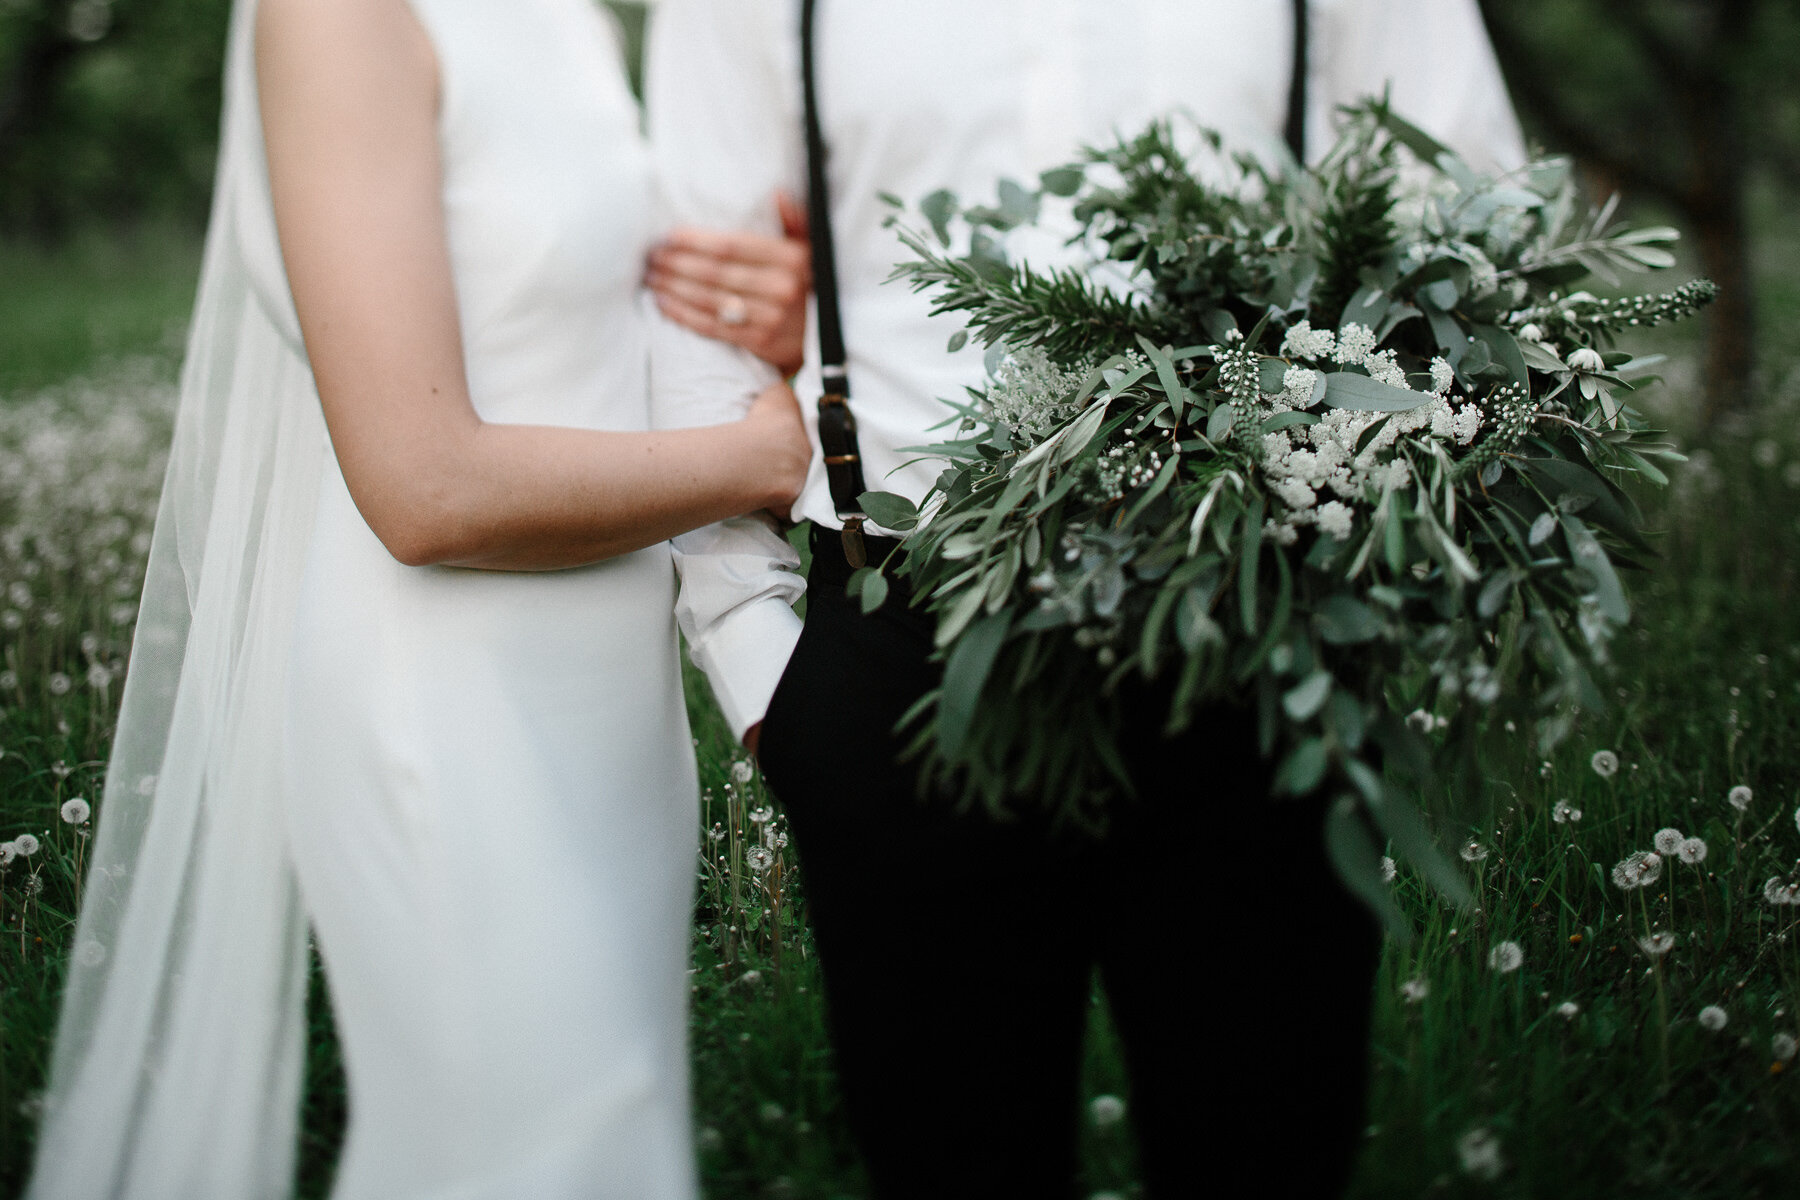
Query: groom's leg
point(956, 963)
point(1280, 1029)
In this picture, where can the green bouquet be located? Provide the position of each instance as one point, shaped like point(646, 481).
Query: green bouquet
point(1345, 443)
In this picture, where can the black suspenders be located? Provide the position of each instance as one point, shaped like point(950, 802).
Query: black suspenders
point(837, 426)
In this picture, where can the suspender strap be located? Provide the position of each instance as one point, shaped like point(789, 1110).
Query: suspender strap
point(837, 426)
point(1296, 113)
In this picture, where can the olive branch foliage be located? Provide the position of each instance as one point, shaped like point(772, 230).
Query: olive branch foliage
point(1135, 533)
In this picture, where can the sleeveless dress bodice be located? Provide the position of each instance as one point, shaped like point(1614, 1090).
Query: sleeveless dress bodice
point(491, 793)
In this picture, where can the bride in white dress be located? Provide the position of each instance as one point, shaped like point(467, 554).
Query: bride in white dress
point(406, 669)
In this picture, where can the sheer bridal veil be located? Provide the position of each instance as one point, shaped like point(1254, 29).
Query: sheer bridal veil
point(178, 1061)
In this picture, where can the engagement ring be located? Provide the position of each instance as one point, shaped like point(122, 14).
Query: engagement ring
point(733, 310)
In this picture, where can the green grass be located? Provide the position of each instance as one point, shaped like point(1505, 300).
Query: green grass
point(1630, 1096)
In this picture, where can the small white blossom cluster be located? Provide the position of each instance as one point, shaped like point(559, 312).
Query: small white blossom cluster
point(1031, 395)
point(1121, 469)
point(1316, 470)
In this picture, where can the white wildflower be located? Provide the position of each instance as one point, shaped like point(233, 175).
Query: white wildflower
point(1106, 1111)
point(1295, 494)
point(1605, 763)
point(1568, 1010)
point(1414, 991)
point(1712, 1018)
point(1336, 519)
point(1354, 342)
point(1586, 361)
point(1506, 958)
point(1739, 797)
point(1466, 424)
point(75, 811)
point(1639, 869)
point(1479, 1152)
point(1031, 394)
point(1297, 385)
point(1384, 367)
point(1303, 341)
point(1657, 944)
point(1667, 841)
point(1443, 375)
point(1565, 813)
point(1692, 851)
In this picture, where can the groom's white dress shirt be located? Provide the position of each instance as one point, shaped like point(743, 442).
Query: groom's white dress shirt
point(957, 94)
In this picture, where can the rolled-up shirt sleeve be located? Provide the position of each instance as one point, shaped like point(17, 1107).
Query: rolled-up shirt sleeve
point(718, 116)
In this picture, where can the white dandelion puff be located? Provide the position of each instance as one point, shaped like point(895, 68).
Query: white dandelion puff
point(60, 684)
point(1413, 991)
point(1479, 1152)
point(1712, 1018)
point(75, 811)
point(1473, 852)
point(8, 852)
point(26, 844)
point(1739, 797)
point(761, 815)
point(1639, 869)
point(1657, 944)
point(742, 772)
point(1605, 763)
point(1506, 958)
point(1783, 1046)
point(1565, 813)
point(759, 858)
point(1388, 869)
point(1691, 851)
point(1568, 1010)
point(1106, 1111)
point(1667, 841)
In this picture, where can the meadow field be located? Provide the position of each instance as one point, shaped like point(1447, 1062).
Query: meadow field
point(1597, 1025)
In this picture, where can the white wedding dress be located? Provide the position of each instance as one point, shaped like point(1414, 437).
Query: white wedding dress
point(477, 788)
point(492, 793)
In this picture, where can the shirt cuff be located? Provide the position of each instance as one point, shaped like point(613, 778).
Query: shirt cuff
point(744, 656)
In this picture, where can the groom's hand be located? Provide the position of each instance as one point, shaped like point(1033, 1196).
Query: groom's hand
point(744, 288)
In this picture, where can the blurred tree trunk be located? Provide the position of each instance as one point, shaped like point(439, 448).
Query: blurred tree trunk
point(1678, 135)
point(33, 75)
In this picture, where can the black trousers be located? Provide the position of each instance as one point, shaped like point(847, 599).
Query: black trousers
point(959, 952)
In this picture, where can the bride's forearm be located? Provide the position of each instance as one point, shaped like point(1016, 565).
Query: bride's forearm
point(529, 498)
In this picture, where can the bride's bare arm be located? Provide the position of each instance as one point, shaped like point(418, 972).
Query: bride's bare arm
point(349, 92)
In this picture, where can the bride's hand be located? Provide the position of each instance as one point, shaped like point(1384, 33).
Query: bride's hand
point(743, 288)
point(778, 440)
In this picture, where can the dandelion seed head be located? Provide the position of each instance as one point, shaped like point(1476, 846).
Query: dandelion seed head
point(76, 810)
point(1565, 813)
point(758, 816)
point(1106, 1111)
point(1639, 869)
point(1783, 1047)
point(759, 859)
point(1667, 841)
point(1712, 1018)
point(742, 772)
point(1388, 869)
point(1479, 1153)
point(1473, 852)
point(1506, 958)
point(1605, 763)
point(1568, 1010)
point(1657, 944)
point(1739, 797)
point(26, 845)
point(1413, 991)
point(1691, 851)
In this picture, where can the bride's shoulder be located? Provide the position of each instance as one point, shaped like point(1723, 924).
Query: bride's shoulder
point(329, 42)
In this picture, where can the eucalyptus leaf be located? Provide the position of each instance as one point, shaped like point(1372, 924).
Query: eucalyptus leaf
point(1362, 394)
